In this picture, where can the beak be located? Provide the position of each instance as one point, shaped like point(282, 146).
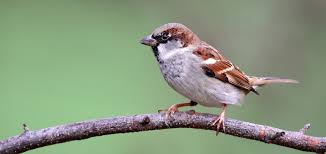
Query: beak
point(149, 41)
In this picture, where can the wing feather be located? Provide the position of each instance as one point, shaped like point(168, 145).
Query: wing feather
point(222, 68)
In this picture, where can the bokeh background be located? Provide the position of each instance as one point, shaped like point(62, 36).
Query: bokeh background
point(68, 61)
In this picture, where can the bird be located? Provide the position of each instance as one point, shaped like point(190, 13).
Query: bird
point(200, 72)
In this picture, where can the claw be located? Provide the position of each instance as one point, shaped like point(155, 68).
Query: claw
point(219, 121)
point(169, 112)
point(174, 108)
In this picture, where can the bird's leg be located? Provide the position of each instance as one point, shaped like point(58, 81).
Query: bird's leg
point(174, 108)
point(219, 120)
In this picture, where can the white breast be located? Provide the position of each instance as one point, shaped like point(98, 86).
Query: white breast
point(182, 70)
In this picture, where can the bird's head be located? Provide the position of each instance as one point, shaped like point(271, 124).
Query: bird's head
point(170, 37)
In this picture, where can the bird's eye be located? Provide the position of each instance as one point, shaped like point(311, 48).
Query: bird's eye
point(165, 36)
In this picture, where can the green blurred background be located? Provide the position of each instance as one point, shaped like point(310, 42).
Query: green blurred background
point(68, 61)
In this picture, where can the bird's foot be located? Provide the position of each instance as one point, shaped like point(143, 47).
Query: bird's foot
point(219, 123)
point(170, 111)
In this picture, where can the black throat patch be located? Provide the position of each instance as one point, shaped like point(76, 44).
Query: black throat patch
point(156, 54)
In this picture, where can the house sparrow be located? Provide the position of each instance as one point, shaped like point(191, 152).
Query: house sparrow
point(200, 72)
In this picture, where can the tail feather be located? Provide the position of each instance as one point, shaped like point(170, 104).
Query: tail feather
point(261, 81)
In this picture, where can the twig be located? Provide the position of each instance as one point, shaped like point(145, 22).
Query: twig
point(305, 128)
point(124, 124)
point(25, 128)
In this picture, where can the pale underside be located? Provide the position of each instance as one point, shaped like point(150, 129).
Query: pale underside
point(183, 72)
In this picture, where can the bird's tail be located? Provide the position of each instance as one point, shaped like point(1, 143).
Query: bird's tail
point(261, 81)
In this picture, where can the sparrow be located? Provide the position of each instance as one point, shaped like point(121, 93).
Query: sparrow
point(200, 72)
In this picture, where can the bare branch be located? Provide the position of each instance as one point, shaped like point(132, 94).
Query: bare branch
point(124, 124)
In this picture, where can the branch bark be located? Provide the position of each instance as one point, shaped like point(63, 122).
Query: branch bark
point(29, 140)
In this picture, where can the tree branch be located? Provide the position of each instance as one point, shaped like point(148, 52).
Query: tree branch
point(29, 140)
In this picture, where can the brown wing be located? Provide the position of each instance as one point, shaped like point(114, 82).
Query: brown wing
point(219, 67)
